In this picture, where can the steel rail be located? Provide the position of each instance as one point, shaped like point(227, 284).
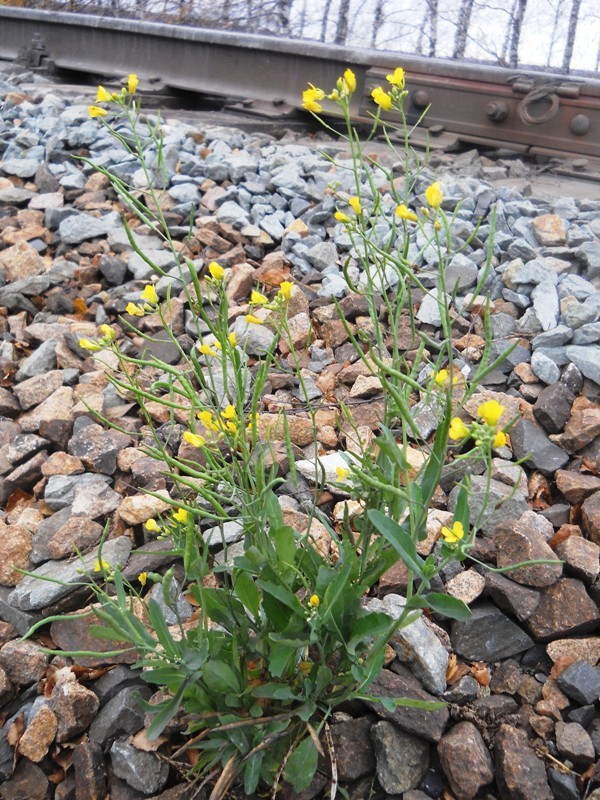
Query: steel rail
point(527, 111)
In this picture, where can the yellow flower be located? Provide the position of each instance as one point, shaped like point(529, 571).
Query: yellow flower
point(149, 295)
point(96, 111)
point(310, 98)
point(152, 525)
point(232, 339)
point(229, 412)
point(181, 515)
point(107, 332)
point(258, 299)
point(342, 473)
point(490, 412)
point(208, 419)
point(434, 194)
point(103, 96)
point(101, 565)
point(341, 217)
point(253, 319)
point(355, 205)
point(232, 427)
point(314, 601)
point(285, 289)
point(396, 78)
point(132, 83)
point(454, 534)
point(88, 344)
point(134, 310)
point(405, 213)
point(349, 81)
point(381, 98)
point(142, 578)
point(443, 376)
point(499, 439)
point(216, 271)
point(458, 429)
point(207, 350)
point(194, 439)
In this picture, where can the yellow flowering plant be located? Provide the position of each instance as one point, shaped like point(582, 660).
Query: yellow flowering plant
point(282, 635)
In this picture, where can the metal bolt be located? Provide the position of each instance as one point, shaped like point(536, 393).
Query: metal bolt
point(420, 98)
point(580, 124)
point(497, 111)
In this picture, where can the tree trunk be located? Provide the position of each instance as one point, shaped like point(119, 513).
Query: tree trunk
point(554, 35)
point(571, 33)
point(326, 10)
point(462, 28)
point(341, 31)
point(283, 15)
point(517, 24)
point(377, 22)
point(422, 29)
point(433, 21)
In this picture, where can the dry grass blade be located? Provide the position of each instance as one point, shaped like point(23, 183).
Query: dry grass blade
point(333, 761)
point(225, 779)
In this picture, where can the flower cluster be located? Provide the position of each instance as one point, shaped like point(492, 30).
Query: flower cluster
point(259, 299)
point(386, 100)
point(484, 431)
point(150, 298)
point(104, 96)
point(313, 96)
point(108, 337)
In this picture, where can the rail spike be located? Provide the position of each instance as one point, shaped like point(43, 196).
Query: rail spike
point(36, 56)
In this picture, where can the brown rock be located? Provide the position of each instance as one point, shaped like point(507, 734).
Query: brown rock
point(23, 662)
point(576, 486)
point(138, 508)
point(366, 386)
point(272, 426)
point(27, 781)
point(15, 547)
point(581, 429)
point(549, 230)
point(58, 406)
point(466, 586)
point(39, 735)
point(506, 677)
point(565, 608)
point(353, 748)
point(519, 772)
point(574, 742)
point(78, 534)
point(465, 760)
point(334, 333)
point(71, 633)
point(21, 261)
point(515, 542)
point(590, 517)
point(585, 649)
point(511, 404)
point(62, 464)
point(581, 557)
point(74, 705)
point(7, 690)
point(90, 772)
point(511, 597)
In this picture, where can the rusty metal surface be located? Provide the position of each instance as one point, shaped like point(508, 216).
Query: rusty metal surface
point(469, 103)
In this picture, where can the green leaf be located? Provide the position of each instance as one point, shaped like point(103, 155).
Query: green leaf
point(168, 709)
point(392, 703)
point(252, 772)
point(279, 659)
point(274, 691)
point(246, 590)
point(462, 512)
point(448, 606)
point(219, 677)
point(161, 629)
point(399, 539)
point(302, 765)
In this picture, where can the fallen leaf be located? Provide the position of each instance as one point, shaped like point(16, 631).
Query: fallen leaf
point(80, 306)
point(481, 672)
point(15, 730)
point(141, 742)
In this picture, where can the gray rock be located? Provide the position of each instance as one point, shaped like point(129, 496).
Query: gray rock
point(122, 714)
point(581, 682)
point(254, 339)
point(21, 167)
point(553, 407)
point(461, 273)
point(553, 338)
point(429, 310)
point(488, 635)
point(80, 227)
point(402, 760)
point(185, 193)
point(232, 214)
point(416, 645)
point(504, 502)
point(545, 304)
point(587, 334)
point(176, 609)
point(42, 360)
point(323, 256)
point(587, 359)
point(528, 439)
point(142, 271)
point(231, 532)
point(544, 368)
point(63, 577)
point(589, 253)
point(140, 770)
point(575, 286)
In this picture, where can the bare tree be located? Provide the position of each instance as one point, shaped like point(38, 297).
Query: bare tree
point(571, 33)
point(462, 28)
point(341, 31)
point(326, 10)
point(377, 22)
point(518, 13)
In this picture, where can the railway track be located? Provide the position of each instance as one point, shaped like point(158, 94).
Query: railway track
point(529, 112)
